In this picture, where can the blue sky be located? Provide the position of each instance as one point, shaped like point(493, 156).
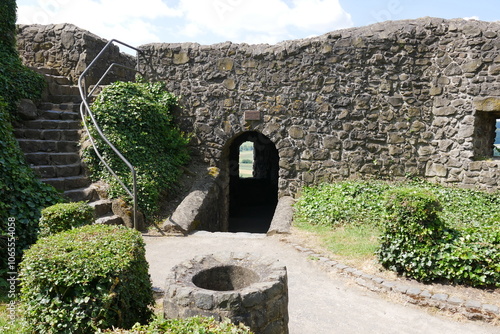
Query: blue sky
point(251, 21)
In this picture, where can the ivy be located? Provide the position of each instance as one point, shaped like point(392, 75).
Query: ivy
point(186, 326)
point(22, 195)
point(137, 119)
point(430, 232)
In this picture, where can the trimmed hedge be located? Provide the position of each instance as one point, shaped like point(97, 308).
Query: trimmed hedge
point(185, 326)
point(84, 279)
point(65, 216)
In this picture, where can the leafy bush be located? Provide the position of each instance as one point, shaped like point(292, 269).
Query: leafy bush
point(65, 216)
point(417, 243)
point(413, 232)
point(86, 278)
point(185, 326)
point(431, 232)
point(137, 119)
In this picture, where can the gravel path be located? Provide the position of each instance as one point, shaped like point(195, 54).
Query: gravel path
point(318, 303)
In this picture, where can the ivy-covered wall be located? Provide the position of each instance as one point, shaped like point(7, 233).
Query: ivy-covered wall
point(22, 195)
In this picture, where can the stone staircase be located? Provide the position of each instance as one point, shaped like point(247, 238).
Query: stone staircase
point(51, 144)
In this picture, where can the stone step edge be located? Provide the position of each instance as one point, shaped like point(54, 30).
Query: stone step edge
point(471, 309)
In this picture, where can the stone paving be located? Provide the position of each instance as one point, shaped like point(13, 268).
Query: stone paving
point(320, 301)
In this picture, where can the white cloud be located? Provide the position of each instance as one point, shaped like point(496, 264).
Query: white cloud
point(263, 20)
point(203, 21)
point(121, 19)
point(471, 18)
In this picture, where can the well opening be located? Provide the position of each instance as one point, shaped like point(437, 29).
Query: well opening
point(225, 278)
point(243, 287)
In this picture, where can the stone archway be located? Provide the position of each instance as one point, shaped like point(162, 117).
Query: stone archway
point(252, 200)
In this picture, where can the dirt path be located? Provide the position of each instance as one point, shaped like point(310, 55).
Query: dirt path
point(318, 304)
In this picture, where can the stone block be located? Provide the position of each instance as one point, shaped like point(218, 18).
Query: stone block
point(491, 103)
point(181, 58)
point(472, 66)
point(296, 132)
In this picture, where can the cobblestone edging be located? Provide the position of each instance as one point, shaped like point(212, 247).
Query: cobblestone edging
point(472, 309)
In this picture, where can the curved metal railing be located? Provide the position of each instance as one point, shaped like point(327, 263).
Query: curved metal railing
point(86, 111)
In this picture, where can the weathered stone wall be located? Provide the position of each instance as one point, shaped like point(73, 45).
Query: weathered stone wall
point(398, 98)
point(66, 50)
point(415, 97)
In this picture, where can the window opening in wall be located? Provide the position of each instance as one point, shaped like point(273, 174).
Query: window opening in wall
point(246, 159)
point(496, 145)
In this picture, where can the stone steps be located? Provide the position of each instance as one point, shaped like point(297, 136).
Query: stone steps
point(40, 145)
point(68, 183)
point(49, 134)
point(52, 124)
point(58, 171)
point(52, 158)
point(51, 146)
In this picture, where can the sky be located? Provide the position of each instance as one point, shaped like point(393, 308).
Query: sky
point(138, 22)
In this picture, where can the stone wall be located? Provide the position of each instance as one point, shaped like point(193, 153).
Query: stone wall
point(66, 50)
point(417, 97)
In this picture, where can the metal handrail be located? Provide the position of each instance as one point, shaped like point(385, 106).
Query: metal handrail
point(85, 109)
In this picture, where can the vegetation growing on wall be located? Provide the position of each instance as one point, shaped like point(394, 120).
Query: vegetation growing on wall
point(22, 195)
point(429, 232)
point(137, 119)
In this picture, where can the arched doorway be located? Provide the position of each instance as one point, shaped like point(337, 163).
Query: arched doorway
point(253, 190)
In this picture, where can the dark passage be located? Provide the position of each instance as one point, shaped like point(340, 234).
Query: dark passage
point(252, 200)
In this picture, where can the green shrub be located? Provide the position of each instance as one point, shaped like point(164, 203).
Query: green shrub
point(65, 216)
point(413, 233)
point(430, 233)
point(137, 119)
point(473, 256)
point(417, 243)
point(185, 326)
point(86, 278)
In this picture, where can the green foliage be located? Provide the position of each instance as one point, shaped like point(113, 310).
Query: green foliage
point(413, 232)
point(430, 232)
point(65, 216)
point(340, 203)
point(91, 277)
point(192, 325)
point(22, 195)
point(8, 25)
point(417, 243)
point(137, 119)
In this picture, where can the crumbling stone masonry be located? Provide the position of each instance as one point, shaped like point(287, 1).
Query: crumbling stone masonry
point(416, 97)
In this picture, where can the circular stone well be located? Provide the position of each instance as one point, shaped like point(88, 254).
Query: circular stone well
point(243, 287)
